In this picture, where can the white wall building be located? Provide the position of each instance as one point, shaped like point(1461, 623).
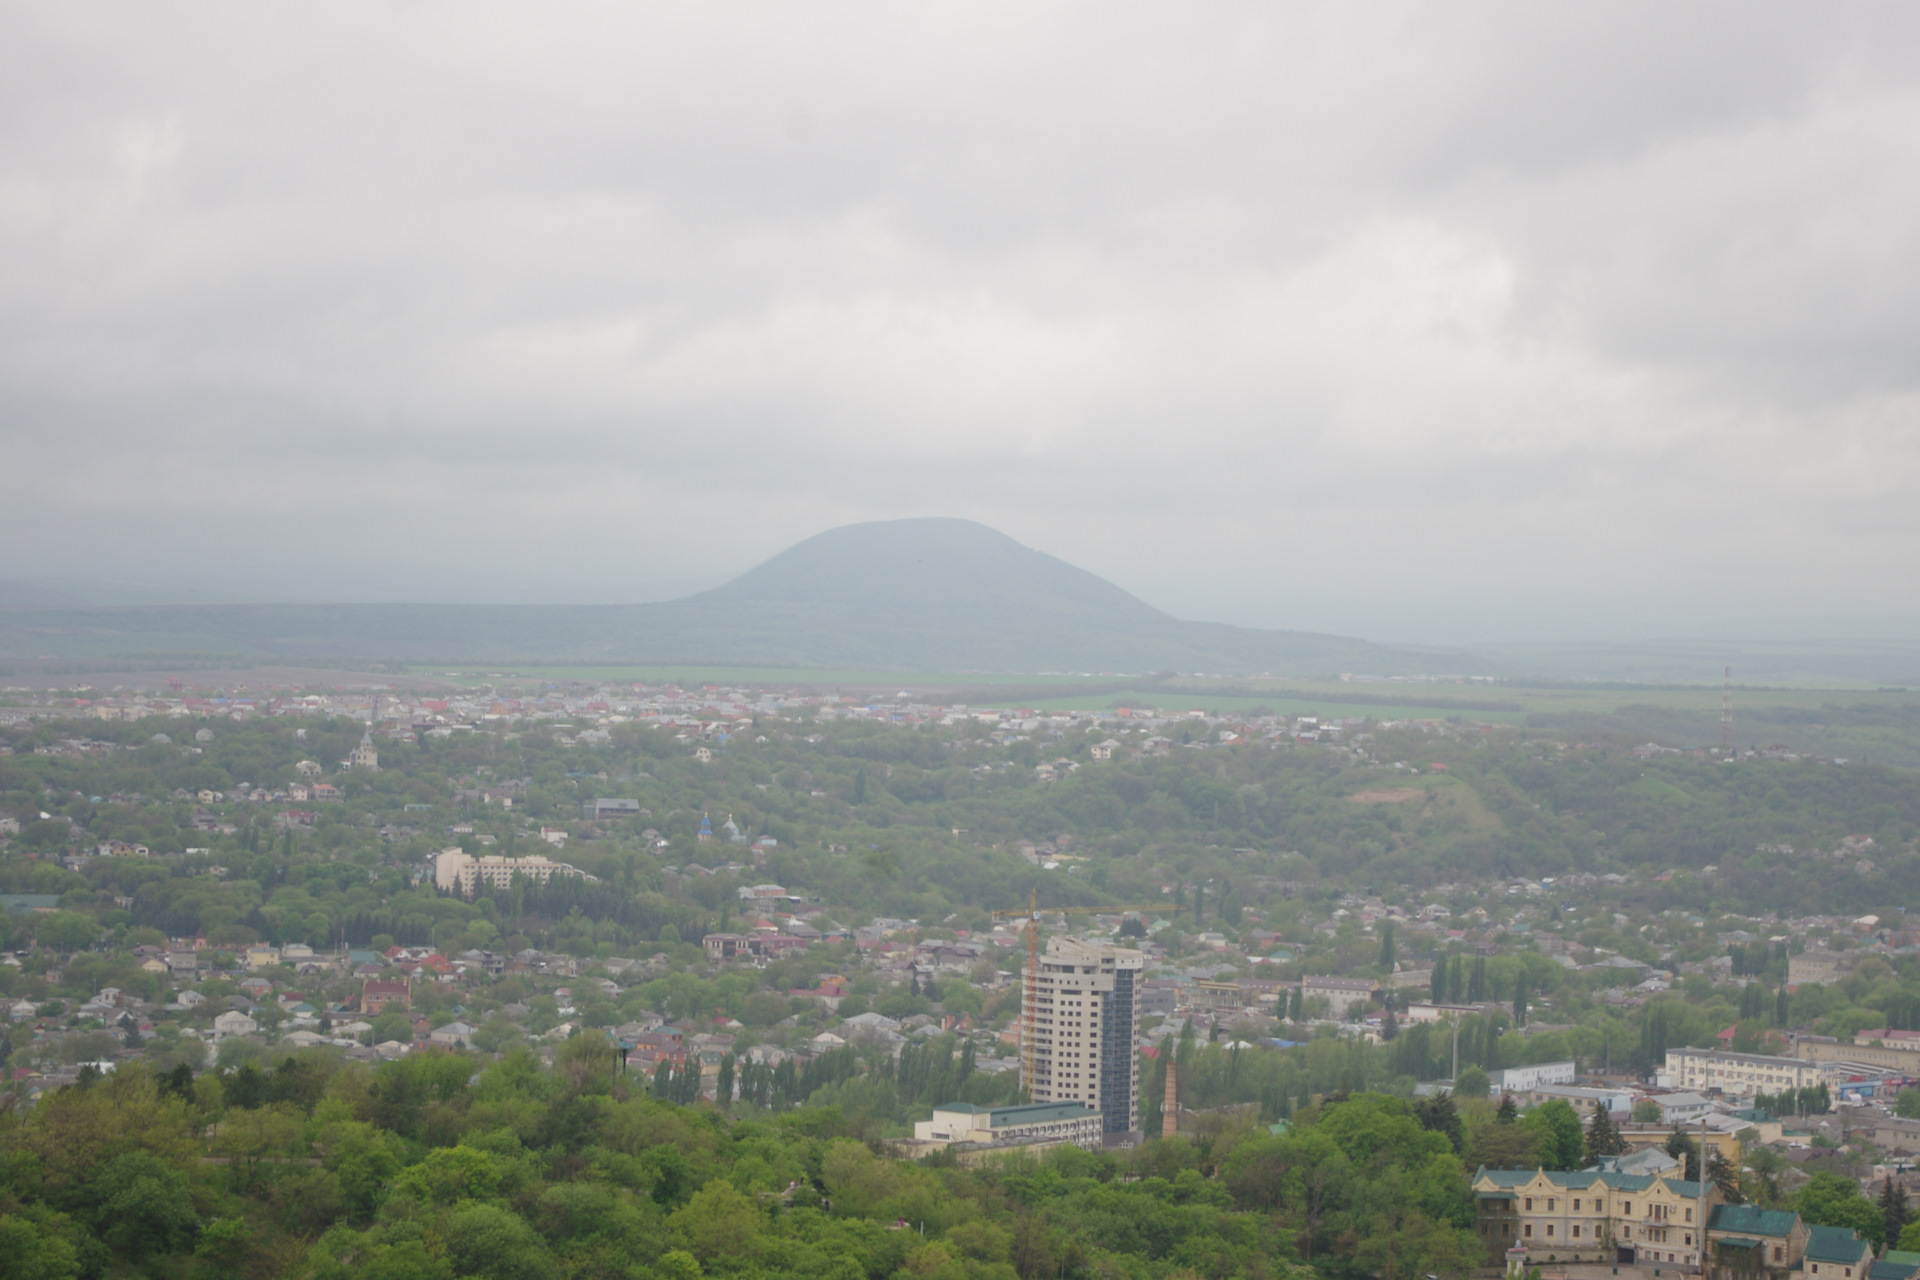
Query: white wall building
point(1737, 1073)
point(1081, 1018)
point(1521, 1079)
point(1037, 1122)
point(455, 870)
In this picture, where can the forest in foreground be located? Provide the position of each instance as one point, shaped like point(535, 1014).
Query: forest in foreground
point(449, 1165)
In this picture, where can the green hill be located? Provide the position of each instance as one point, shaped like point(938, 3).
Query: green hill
point(907, 595)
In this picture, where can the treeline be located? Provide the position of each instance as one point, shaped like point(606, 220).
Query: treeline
point(440, 1166)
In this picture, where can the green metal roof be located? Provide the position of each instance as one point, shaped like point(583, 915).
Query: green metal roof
point(1886, 1269)
point(1751, 1220)
point(1037, 1113)
point(1626, 1181)
point(1739, 1242)
point(1496, 1195)
point(1835, 1244)
point(1905, 1257)
point(1576, 1179)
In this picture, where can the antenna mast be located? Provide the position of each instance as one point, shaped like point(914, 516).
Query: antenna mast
point(1726, 711)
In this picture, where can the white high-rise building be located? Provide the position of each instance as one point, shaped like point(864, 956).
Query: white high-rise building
point(1081, 1020)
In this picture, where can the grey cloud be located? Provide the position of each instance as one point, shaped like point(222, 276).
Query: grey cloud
point(1414, 319)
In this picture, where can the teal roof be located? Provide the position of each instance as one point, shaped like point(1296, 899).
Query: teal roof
point(29, 901)
point(1576, 1178)
point(1835, 1244)
point(1580, 1179)
point(1036, 1113)
point(1627, 1181)
point(1886, 1269)
point(1751, 1220)
point(1739, 1242)
point(1905, 1257)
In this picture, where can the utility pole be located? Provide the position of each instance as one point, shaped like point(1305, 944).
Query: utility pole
point(1700, 1224)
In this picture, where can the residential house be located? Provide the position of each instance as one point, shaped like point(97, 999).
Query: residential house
point(1837, 1253)
point(1749, 1242)
point(377, 996)
point(234, 1023)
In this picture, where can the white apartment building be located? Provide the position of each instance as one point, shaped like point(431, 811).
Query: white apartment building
point(1738, 1073)
point(455, 870)
point(1533, 1076)
point(1081, 1018)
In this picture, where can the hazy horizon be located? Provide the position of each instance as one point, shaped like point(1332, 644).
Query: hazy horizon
point(1467, 324)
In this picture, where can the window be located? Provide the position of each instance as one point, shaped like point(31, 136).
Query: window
point(1815, 1268)
point(1576, 1233)
point(1549, 1231)
point(1779, 1254)
point(1576, 1204)
point(1529, 1205)
point(1689, 1215)
point(1552, 1204)
point(1627, 1208)
point(1527, 1231)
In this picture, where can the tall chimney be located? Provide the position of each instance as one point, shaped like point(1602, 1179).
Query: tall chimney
point(1170, 1108)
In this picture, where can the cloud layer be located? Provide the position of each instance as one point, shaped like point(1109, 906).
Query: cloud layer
point(1415, 321)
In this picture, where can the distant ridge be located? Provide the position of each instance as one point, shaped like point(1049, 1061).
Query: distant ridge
point(908, 595)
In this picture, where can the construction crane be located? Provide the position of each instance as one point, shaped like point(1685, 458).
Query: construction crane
point(1030, 987)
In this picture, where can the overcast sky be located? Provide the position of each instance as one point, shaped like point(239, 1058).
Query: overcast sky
point(1409, 321)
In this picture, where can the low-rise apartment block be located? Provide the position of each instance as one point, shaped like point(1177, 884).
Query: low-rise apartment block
point(455, 870)
point(1341, 994)
point(1738, 1073)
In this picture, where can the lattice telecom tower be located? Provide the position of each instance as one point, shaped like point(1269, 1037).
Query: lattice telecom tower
point(1726, 710)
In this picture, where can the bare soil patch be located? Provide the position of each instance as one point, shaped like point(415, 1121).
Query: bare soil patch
point(1388, 795)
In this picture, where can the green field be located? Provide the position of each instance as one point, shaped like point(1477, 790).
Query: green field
point(1857, 723)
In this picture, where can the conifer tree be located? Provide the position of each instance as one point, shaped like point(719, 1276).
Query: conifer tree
point(1893, 1207)
point(1722, 1174)
point(1603, 1138)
